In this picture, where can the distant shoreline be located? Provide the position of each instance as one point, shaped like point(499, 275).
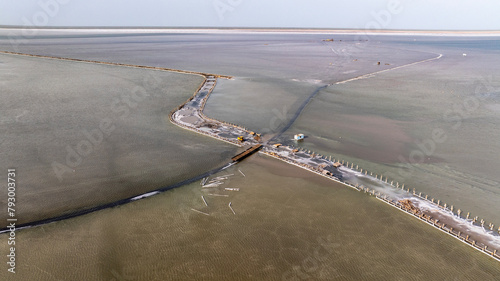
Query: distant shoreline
point(263, 30)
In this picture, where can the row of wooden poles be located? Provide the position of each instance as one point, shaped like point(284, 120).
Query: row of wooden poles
point(435, 223)
point(396, 185)
point(396, 204)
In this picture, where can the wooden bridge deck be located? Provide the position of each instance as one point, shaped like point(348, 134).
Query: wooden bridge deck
point(246, 153)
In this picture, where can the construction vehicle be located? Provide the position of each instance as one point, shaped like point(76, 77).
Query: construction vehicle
point(241, 139)
point(337, 164)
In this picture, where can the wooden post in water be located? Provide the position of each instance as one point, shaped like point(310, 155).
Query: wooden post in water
point(438, 202)
point(426, 197)
point(230, 207)
point(467, 215)
point(458, 212)
point(445, 205)
point(451, 208)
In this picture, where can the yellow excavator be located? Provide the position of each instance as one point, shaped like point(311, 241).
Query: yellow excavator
point(241, 139)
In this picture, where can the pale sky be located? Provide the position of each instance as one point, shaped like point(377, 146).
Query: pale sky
point(360, 14)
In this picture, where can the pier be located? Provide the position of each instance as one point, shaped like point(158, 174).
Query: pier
point(330, 167)
point(190, 116)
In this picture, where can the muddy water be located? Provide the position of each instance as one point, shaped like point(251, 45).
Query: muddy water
point(53, 111)
point(386, 121)
point(288, 223)
point(284, 216)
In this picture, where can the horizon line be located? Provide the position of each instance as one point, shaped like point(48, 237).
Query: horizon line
point(249, 28)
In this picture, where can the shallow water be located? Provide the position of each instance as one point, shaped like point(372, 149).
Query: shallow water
point(288, 222)
point(281, 211)
point(362, 122)
point(55, 112)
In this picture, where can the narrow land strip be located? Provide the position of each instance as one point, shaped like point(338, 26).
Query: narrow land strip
point(120, 64)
